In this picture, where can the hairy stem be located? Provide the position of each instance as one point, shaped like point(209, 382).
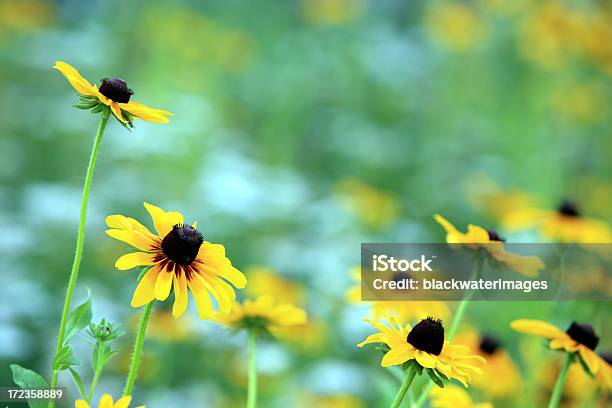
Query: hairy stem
point(137, 352)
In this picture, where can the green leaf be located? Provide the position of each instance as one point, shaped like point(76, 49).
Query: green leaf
point(79, 383)
point(78, 319)
point(25, 378)
point(434, 377)
point(65, 358)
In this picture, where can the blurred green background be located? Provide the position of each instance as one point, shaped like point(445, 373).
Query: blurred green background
point(302, 129)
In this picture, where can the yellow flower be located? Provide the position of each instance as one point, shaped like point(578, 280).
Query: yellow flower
point(499, 365)
point(456, 25)
point(479, 238)
point(566, 224)
point(332, 12)
point(113, 93)
point(374, 207)
point(178, 257)
point(410, 311)
point(425, 344)
point(264, 281)
point(579, 338)
point(577, 390)
point(263, 313)
point(308, 337)
point(454, 397)
point(107, 402)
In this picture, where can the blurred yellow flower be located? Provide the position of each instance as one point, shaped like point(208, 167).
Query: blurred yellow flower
point(107, 402)
point(566, 224)
point(410, 311)
point(579, 339)
point(24, 15)
point(263, 314)
point(375, 208)
point(332, 12)
point(308, 337)
point(578, 388)
point(264, 281)
point(113, 93)
point(455, 25)
point(178, 257)
point(499, 365)
point(479, 238)
point(425, 344)
point(455, 397)
point(548, 35)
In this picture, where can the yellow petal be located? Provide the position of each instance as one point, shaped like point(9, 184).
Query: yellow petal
point(180, 296)
point(81, 404)
point(123, 402)
point(395, 356)
point(163, 285)
point(202, 299)
point(117, 111)
point(134, 259)
point(144, 292)
point(231, 274)
point(425, 359)
point(537, 328)
point(106, 401)
point(80, 84)
point(145, 113)
point(134, 238)
point(163, 221)
point(117, 221)
point(590, 359)
point(373, 338)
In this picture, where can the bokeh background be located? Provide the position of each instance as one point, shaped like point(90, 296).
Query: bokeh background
point(302, 129)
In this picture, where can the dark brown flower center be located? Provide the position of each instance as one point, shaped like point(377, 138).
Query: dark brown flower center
point(428, 336)
point(583, 334)
point(568, 209)
point(182, 244)
point(489, 345)
point(116, 90)
point(494, 236)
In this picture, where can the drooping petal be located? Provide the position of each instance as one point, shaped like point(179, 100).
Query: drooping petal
point(425, 359)
point(202, 299)
point(117, 221)
point(591, 360)
point(228, 272)
point(180, 296)
point(134, 259)
point(396, 356)
point(163, 221)
point(80, 84)
point(146, 113)
point(163, 285)
point(373, 338)
point(219, 292)
point(144, 292)
point(117, 111)
point(537, 328)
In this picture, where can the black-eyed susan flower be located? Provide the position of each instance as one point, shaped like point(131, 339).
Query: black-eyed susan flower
point(565, 224)
point(178, 258)
point(107, 402)
point(579, 339)
point(113, 93)
point(455, 397)
point(425, 344)
point(478, 237)
point(499, 364)
point(264, 281)
point(263, 314)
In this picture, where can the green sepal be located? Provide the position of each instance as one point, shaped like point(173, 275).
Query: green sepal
point(435, 377)
point(25, 378)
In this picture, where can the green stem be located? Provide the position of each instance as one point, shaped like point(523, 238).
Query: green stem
point(137, 353)
point(452, 331)
point(405, 385)
point(252, 390)
point(80, 242)
point(556, 395)
point(97, 372)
